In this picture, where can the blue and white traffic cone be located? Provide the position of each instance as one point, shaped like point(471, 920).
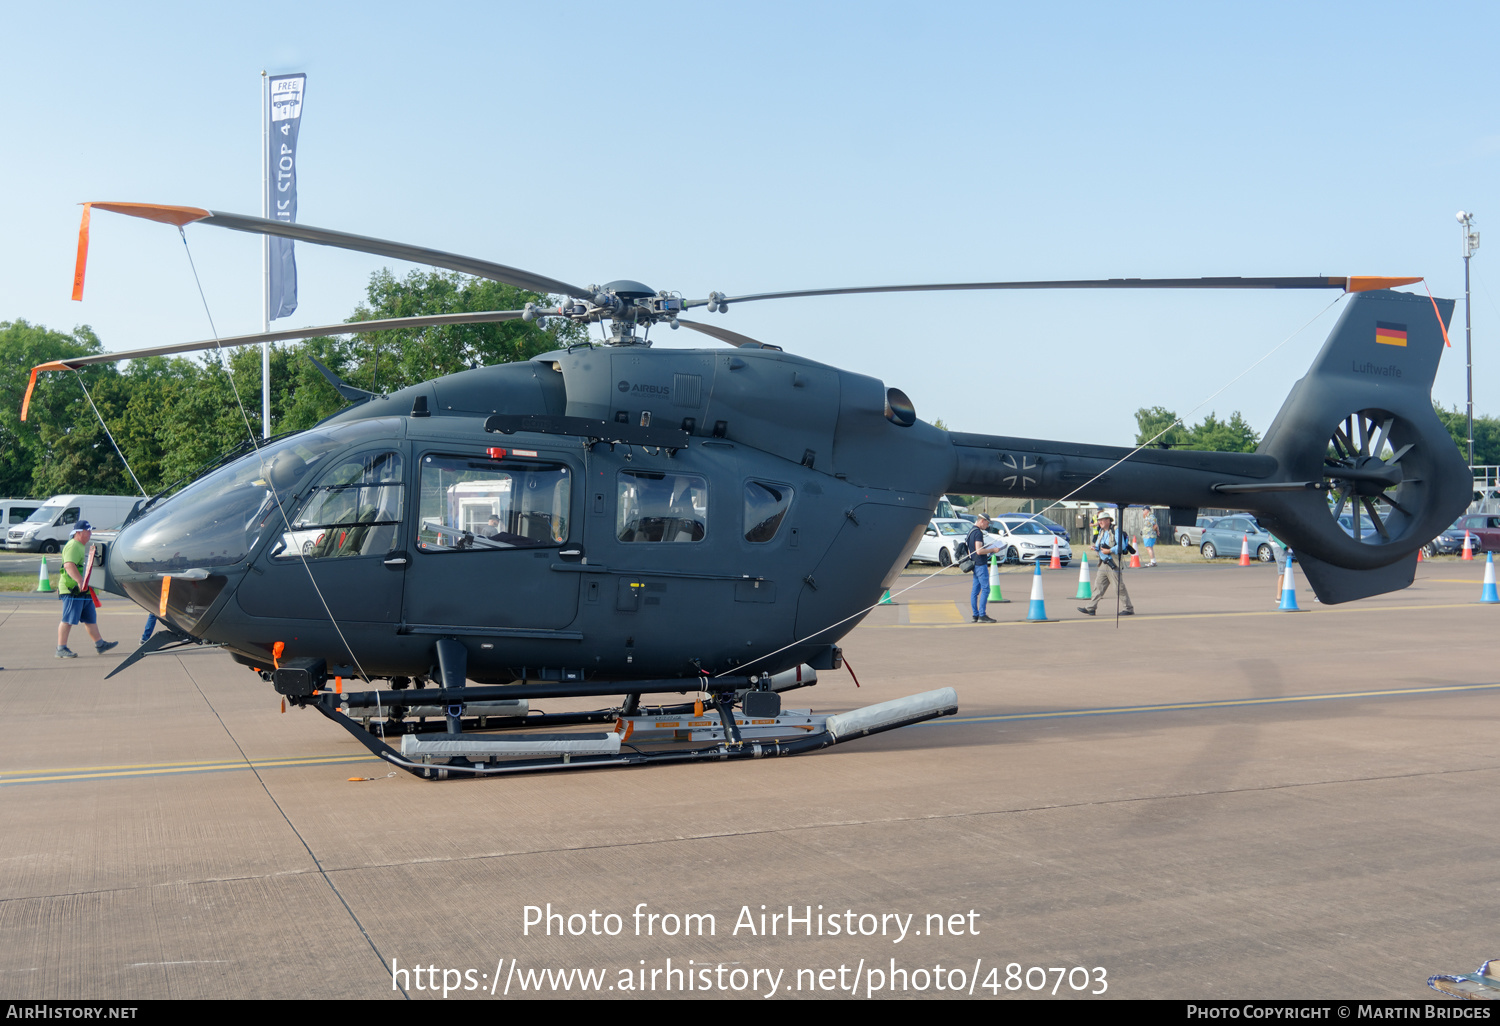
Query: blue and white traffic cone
point(1038, 611)
point(1488, 595)
point(995, 595)
point(1289, 591)
point(1085, 586)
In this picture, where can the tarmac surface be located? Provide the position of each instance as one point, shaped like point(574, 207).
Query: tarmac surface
point(1210, 799)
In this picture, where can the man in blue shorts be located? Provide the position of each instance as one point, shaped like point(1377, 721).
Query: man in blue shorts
point(78, 601)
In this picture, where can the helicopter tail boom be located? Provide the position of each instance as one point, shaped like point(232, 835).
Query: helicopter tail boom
point(1356, 472)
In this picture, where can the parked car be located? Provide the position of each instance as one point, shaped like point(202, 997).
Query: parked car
point(1225, 535)
point(1192, 536)
point(944, 541)
point(1484, 535)
point(1367, 530)
point(1035, 518)
point(1027, 541)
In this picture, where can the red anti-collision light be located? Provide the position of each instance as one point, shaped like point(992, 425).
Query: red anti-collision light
point(496, 453)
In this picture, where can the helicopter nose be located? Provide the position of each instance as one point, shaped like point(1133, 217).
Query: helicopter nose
point(143, 571)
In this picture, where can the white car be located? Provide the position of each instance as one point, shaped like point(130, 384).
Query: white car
point(943, 542)
point(1027, 541)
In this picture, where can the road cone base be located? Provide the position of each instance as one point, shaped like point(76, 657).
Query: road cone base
point(1085, 591)
point(1489, 595)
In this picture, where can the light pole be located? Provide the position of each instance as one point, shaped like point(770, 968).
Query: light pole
point(1471, 243)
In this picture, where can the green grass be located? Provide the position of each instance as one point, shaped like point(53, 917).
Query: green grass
point(18, 582)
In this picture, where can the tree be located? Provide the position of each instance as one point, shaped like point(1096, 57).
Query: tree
point(1486, 434)
point(170, 417)
point(1233, 435)
point(1158, 425)
point(383, 361)
point(61, 440)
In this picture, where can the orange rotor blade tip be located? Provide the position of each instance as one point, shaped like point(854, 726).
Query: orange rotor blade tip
point(1369, 283)
point(26, 402)
point(83, 253)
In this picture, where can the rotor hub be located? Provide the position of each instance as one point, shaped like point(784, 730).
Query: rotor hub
point(624, 303)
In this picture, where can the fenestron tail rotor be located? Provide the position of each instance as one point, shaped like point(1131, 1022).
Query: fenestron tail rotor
point(1366, 476)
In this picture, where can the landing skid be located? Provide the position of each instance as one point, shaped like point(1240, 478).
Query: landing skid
point(740, 722)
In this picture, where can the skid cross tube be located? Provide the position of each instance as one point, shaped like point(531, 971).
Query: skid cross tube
point(897, 714)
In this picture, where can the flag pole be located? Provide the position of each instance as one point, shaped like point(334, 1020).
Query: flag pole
point(265, 255)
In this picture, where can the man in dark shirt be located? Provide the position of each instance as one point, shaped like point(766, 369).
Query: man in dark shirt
point(978, 548)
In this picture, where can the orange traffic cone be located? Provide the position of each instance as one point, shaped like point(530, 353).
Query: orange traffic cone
point(1245, 551)
point(1468, 546)
point(1135, 557)
point(1419, 555)
point(1056, 563)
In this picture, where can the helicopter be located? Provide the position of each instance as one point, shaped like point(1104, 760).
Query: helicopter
point(621, 520)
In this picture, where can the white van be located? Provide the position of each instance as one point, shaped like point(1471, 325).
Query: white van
point(50, 526)
point(13, 513)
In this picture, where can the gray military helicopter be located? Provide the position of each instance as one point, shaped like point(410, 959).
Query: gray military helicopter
point(629, 521)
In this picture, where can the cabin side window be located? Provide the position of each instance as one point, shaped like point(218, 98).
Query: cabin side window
point(655, 506)
point(475, 505)
point(765, 508)
point(355, 510)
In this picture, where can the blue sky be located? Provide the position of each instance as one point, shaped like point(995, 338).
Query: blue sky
point(770, 146)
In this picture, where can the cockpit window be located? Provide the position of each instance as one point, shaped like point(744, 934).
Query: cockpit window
point(218, 520)
point(354, 511)
point(659, 507)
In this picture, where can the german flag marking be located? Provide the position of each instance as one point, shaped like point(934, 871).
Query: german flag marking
point(1388, 334)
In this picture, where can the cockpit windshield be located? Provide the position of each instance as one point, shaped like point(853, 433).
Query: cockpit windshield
point(218, 521)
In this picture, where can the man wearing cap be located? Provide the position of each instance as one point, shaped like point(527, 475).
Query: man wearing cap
point(979, 598)
point(1109, 547)
point(78, 601)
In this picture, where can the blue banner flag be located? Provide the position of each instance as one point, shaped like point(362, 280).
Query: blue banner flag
point(281, 182)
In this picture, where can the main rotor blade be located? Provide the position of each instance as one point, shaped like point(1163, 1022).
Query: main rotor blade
point(343, 240)
point(1357, 283)
point(734, 338)
point(385, 324)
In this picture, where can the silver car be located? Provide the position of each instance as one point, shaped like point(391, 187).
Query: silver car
point(1191, 537)
point(944, 541)
point(1027, 541)
point(1226, 535)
